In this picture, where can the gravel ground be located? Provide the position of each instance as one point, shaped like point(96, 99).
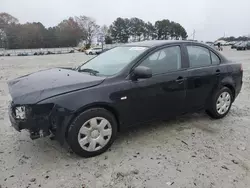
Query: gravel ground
point(189, 151)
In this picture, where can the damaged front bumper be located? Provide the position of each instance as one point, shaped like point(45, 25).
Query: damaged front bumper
point(37, 121)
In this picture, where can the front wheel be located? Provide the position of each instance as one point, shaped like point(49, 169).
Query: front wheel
point(220, 103)
point(92, 132)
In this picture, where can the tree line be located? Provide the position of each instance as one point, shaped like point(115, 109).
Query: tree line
point(70, 32)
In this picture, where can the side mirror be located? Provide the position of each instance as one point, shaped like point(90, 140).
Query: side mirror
point(142, 72)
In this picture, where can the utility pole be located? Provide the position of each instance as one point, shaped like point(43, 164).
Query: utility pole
point(102, 43)
point(103, 40)
point(194, 34)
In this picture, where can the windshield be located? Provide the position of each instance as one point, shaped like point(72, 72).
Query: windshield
point(112, 61)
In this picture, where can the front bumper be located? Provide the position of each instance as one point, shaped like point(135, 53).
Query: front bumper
point(55, 121)
point(36, 125)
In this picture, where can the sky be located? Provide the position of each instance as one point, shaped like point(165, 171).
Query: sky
point(210, 19)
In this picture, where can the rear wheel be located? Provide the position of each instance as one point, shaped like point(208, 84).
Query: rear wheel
point(220, 103)
point(92, 132)
point(90, 53)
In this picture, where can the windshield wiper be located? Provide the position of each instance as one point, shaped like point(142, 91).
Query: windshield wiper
point(90, 71)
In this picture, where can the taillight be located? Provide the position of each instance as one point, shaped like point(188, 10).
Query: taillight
point(241, 67)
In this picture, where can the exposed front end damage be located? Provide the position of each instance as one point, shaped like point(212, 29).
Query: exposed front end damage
point(39, 119)
point(29, 109)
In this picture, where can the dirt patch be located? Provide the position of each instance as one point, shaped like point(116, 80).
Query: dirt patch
point(189, 151)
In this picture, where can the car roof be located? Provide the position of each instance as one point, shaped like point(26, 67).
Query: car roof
point(159, 43)
point(155, 43)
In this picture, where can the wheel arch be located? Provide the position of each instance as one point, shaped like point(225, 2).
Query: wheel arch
point(231, 87)
point(229, 83)
point(105, 106)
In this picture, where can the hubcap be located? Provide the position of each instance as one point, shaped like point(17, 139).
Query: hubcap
point(223, 103)
point(94, 134)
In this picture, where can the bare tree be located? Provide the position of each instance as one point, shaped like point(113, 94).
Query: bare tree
point(89, 28)
point(105, 30)
point(6, 18)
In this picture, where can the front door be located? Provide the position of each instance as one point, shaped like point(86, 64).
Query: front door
point(163, 94)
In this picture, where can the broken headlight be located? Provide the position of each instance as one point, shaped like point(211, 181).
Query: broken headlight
point(25, 111)
point(20, 112)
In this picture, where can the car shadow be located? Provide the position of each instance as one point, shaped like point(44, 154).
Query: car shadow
point(51, 149)
point(188, 121)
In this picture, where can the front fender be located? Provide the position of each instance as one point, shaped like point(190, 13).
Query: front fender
point(68, 106)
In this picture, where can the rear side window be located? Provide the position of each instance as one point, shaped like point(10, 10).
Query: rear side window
point(215, 59)
point(198, 56)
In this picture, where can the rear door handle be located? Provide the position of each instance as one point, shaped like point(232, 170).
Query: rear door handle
point(180, 79)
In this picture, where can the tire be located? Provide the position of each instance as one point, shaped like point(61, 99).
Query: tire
point(215, 111)
point(91, 133)
point(90, 53)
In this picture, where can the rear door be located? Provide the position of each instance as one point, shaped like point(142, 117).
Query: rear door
point(203, 74)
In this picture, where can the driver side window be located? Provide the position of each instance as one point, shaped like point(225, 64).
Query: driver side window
point(164, 60)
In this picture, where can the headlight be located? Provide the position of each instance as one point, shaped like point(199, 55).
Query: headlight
point(20, 112)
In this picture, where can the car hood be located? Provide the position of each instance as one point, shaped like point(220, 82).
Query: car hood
point(32, 88)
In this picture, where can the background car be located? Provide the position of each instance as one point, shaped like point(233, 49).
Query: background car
point(242, 46)
point(125, 86)
point(248, 45)
point(227, 44)
point(104, 50)
point(235, 45)
point(232, 42)
point(93, 51)
point(209, 43)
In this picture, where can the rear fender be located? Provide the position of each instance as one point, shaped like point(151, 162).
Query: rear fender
point(225, 82)
point(229, 82)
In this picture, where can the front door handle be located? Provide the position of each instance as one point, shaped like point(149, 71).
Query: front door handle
point(180, 80)
point(217, 72)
